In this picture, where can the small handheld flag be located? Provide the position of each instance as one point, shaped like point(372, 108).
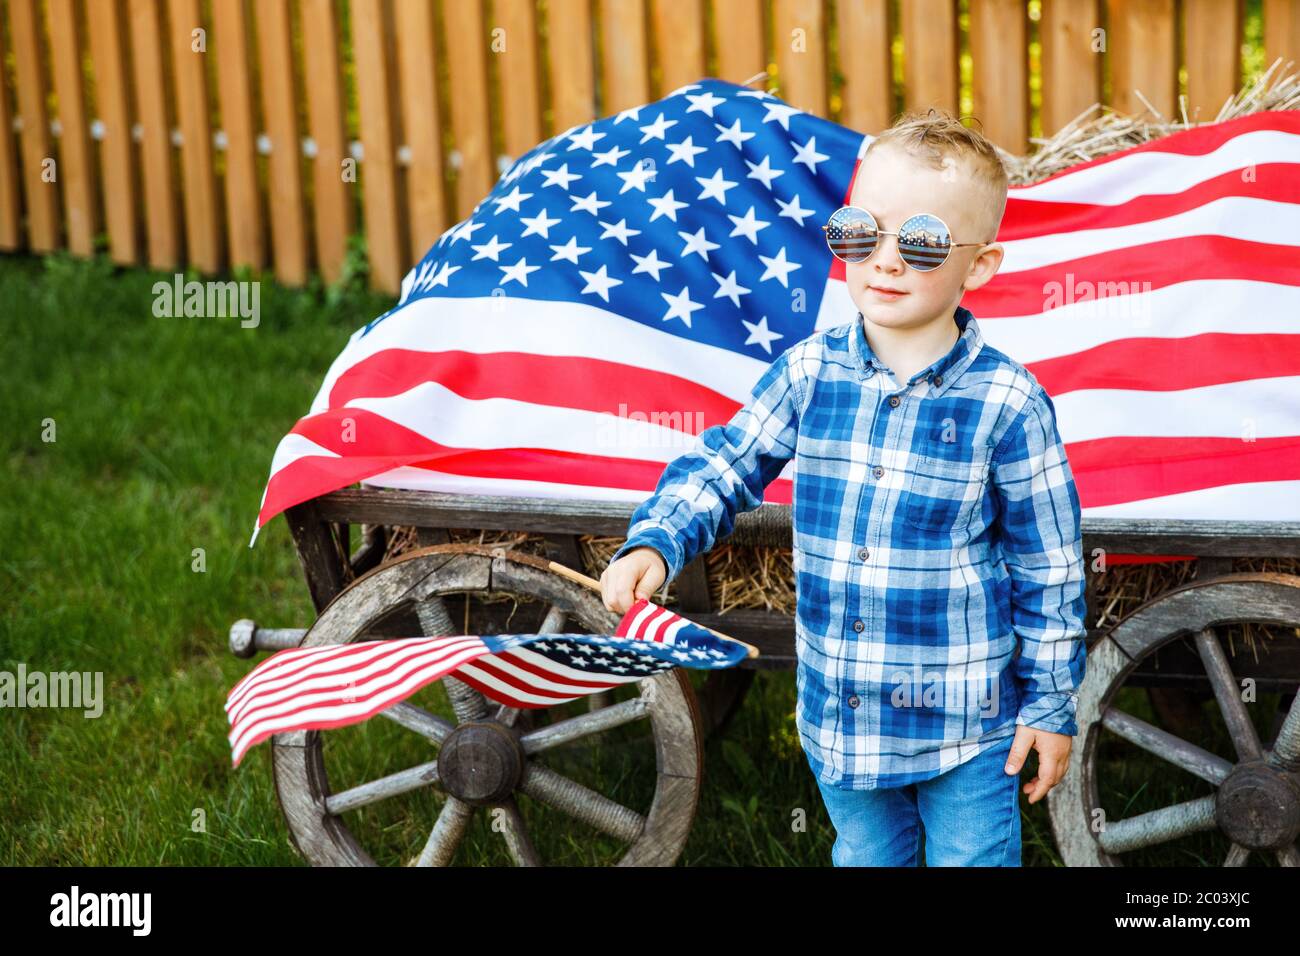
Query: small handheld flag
point(334, 685)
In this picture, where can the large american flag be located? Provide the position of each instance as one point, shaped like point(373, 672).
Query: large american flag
point(626, 282)
point(317, 688)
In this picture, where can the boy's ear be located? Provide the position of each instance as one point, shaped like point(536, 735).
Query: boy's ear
point(984, 266)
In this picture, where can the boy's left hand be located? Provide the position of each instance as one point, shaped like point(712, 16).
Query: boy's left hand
point(1053, 758)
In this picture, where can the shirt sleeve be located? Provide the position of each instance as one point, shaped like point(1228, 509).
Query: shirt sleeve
point(1042, 545)
point(725, 473)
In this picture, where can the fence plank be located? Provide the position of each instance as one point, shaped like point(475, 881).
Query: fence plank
point(10, 209)
point(380, 197)
point(799, 43)
point(1141, 53)
point(1212, 31)
point(1281, 31)
point(162, 217)
point(29, 68)
point(247, 225)
point(518, 78)
point(625, 66)
point(738, 39)
point(1072, 61)
point(426, 200)
point(679, 39)
point(284, 170)
point(334, 199)
point(105, 23)
point(199, 189)
point(929, 54)
point(571, 64)
point(466, 42)
point(80, 202)
point(866, 62)
point(999, 47)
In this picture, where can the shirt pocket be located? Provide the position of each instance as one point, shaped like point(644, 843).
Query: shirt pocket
point(943, 493)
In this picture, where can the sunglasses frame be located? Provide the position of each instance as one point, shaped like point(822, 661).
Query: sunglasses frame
point(881, 232)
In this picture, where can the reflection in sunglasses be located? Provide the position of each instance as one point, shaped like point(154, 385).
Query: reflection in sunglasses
point(924, 241)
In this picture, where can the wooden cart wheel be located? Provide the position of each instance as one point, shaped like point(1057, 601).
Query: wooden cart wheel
point(482, 759)
point(1256, 800)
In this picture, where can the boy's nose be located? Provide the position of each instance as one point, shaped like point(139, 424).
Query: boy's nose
point(885, 255)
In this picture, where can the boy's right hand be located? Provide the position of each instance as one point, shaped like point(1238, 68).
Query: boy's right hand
point(637, 574)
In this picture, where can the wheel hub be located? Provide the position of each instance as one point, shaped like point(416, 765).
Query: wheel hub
point(480, 762)
point(1258, 807)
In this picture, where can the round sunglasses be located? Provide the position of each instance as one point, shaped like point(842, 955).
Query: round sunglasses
point(923, 240)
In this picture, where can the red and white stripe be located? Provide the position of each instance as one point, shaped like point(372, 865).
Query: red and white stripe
point(525, 679)
point(331, 686)
point(650, 622)
point(1178, 395)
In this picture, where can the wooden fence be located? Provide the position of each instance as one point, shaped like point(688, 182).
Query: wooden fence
point(261, 133)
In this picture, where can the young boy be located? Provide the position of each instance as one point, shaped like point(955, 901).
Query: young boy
point(940, 604)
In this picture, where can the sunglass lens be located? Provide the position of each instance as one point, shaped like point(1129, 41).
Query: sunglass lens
point(851, 234)
point(924, 242)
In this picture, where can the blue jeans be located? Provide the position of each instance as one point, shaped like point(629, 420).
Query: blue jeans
point(970, 814)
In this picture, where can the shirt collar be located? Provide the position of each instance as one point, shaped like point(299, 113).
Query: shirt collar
point(943, 371)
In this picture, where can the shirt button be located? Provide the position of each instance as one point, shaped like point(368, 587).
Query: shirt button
point(938, 380)
point(862, 553)
point(859, 626)
point(853, 700)
point(877, 471)
point(893, 401)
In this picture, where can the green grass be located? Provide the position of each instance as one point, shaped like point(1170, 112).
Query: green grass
point(165, 429)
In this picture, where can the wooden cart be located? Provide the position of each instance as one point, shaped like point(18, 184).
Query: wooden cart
point(490, 754)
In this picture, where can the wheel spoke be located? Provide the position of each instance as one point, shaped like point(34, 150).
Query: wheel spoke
point(1244, 736)
point(1285, 754)
point(1158, 826)
point(594, 722)
point(582, 803)
point(520, 846)
point(1201, 763)
point(468, 703)
point(435, 621)
point(1237, 855)
point(448, 830)
point(556, 620)
point(404, 781)
point(427, 725)
point(1289, 856)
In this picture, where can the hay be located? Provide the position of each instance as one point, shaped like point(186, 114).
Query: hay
point(763, 577)
point(1088, 136)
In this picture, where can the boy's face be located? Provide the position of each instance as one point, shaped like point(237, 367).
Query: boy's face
point(892, 185)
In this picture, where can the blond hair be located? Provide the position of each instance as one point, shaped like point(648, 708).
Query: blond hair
point(936, 137)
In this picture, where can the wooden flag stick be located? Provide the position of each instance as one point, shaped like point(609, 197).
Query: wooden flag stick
point(572, 575)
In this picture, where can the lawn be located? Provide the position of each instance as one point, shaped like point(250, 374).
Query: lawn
point(163, 431)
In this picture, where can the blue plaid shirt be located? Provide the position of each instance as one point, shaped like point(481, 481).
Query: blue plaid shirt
point(938, 562)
